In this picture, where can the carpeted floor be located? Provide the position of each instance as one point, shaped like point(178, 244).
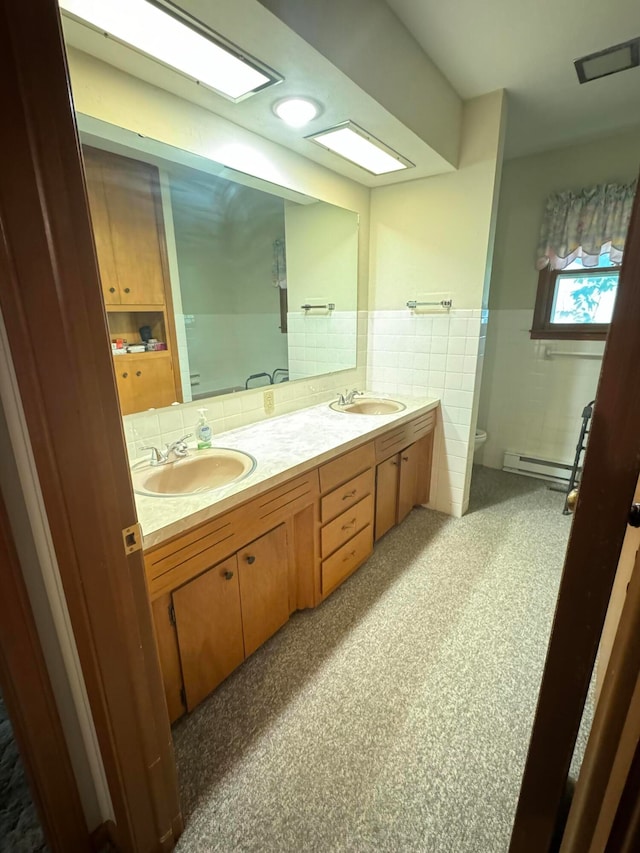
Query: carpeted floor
point(396, 716)
point(20, 830)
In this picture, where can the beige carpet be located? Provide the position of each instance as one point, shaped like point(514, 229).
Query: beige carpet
point(396, 716)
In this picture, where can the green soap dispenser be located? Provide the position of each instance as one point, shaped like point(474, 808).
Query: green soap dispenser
point(204, 433)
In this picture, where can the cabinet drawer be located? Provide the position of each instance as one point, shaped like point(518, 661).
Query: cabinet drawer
point(347, 559)
point(345, 467)
point(393, 441)
point(346, 496)
point(422, 425)
point(346, 525)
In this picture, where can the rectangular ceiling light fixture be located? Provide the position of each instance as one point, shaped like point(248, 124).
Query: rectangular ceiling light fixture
point(165, 33)
point(355, 144)
point(620, 57)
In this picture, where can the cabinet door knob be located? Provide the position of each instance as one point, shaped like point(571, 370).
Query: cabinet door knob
point(127, 290)
point(251, 559)
point(124, 375)
point(394, 462)
point(405, 458)
point(227, 575)
point(138, 373)
point(112, 290)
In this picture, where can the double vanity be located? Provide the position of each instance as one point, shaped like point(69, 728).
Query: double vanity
point(298, 502)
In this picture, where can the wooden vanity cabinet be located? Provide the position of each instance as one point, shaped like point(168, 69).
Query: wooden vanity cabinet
point(145, 381)
point(346, 510)
point(208, 620)
point(403, 476)
point(216, 599)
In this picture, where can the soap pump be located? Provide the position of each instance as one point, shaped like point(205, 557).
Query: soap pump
point(204, 433)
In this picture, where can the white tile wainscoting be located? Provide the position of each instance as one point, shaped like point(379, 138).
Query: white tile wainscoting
point(435, 355)
point(531, 404)
point(321, 342)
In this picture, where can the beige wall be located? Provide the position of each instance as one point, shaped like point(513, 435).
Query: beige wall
point(531, 404)
point(526, 183)
point(433, 235)
point(322, 255)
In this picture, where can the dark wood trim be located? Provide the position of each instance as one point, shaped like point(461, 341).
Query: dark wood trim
point(51, 300)
point(543, 329)
point(103, 838)
point(32, 708)
point(625, 832)
point(607, 730)
point(611, 469)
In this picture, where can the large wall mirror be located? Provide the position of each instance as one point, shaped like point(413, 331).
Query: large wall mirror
point(214, 281)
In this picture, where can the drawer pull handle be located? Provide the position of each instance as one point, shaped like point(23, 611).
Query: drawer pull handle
point(350, 494)
point(349, 524)
point(250, 559)
point(349, 556)
point(227, 575)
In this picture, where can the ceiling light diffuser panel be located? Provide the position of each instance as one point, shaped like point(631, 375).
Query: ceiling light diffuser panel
point(620, 57)
point(164, 33)
point(356, 145)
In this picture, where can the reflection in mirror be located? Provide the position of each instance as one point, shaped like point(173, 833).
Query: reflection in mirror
point(214, 281)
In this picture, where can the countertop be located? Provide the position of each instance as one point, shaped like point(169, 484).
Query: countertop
point(284, 447)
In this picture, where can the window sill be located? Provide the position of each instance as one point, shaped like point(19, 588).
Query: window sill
point(598, 334)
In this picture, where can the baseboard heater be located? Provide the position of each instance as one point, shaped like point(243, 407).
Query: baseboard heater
point(544, 469)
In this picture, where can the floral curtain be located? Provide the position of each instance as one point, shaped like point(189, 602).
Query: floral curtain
point(585, 224)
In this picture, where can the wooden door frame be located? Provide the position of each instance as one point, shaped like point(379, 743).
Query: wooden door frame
point(611, 469)
point(51, 301)
point(32, 709)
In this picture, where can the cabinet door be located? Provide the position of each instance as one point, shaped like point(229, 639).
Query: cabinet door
point(167, 642)
point(409, 460)
point(387, 477)
point(264, 587)
point(209, 626)
point(135, 218)
point(144, 383)
point(101, 228)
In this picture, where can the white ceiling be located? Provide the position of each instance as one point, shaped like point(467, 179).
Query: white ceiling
point(528, 49)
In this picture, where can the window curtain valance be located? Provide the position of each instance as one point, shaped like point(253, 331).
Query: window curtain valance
point(584, 225)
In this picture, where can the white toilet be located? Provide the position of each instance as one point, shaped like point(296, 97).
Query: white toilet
point(479, 440)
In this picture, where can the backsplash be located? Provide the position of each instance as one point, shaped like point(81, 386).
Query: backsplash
point(157, 427)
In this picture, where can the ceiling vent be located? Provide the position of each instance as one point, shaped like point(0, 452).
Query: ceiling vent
point(620, 57)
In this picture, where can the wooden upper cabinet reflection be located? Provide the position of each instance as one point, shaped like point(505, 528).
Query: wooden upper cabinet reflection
point(124, 198)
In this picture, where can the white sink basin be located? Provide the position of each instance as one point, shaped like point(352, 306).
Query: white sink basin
point(369, 406)
point(201, 471)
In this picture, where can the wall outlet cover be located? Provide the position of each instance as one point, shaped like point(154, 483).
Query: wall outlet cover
point(269, 403)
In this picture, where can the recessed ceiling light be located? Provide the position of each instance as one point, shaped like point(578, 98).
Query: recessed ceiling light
point(355, 144)
point(620, 57)
point(296, 112)
point(168, 35)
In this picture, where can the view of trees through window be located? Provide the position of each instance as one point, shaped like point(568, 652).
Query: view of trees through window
point(585, 295)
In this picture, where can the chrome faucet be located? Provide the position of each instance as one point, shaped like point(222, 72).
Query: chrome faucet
point(179, 449)
point(348, 397)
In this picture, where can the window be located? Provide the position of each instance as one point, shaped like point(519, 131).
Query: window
point(576, 303)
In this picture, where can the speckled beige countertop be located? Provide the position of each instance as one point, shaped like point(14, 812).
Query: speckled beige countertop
point(284, 447)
